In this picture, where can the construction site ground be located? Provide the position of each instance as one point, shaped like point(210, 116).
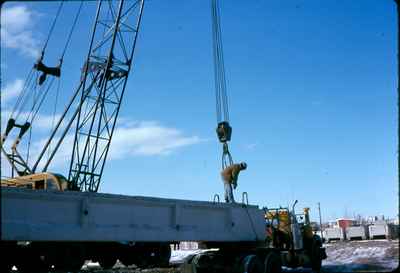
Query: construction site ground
point(346, 256)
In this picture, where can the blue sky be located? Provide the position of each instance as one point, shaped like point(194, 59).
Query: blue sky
point(312, 93)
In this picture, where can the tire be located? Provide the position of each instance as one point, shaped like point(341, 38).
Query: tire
point(107, 261)
point(251, 264)
point(153, 256)
point(32, 265)
point(69, 257)
point(127, 259)
point(32, 259)
point(5, 267)
point(272, 263)
point(127, 255)
point(163, 255)
point(6, 261)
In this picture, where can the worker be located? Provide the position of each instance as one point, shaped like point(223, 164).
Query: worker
point(230, 176)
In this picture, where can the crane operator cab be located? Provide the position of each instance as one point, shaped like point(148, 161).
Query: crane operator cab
point(38, 181)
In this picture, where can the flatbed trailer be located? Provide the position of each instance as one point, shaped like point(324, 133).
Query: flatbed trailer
point(41, 228)
point(96, 217)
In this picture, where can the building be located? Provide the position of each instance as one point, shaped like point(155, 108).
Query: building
point(345, 222)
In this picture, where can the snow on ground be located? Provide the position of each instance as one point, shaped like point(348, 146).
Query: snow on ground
point(367, 255)
point(353, 256)
point(178, 256)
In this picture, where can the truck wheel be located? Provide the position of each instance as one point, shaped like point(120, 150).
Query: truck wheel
point(163, 255)
point(5, 267)
point(31, 259)
point(127, 255)
point(126, 259)
point(107, 262)
point(316, 260)
point(251, 264)
point(6, 261)
point(272, 263)
point(32, 264)
point(68, 257)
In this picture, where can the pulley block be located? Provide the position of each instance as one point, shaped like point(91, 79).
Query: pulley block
point(224, 131)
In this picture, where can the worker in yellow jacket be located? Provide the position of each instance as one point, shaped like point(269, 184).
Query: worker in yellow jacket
point(230, 176)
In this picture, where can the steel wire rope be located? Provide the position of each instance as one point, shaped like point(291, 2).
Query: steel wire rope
point(39, 97)
point(23, 98)
point(61, 60)
point(26, 99)
point(219, 49)
point(222, 63)
point(30, 127)
point(63, 52)
point(219, 67)
point(52, 27)
point(222, 109)
point(36, 95)
point(216, 65)
point(71, 30)
point(42, 100)
point(54, 115)
point(22, 92)
point(29, 145)
point(27, 82)
point(29, 77)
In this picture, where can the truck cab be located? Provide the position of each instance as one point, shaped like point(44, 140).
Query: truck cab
point(38, 181)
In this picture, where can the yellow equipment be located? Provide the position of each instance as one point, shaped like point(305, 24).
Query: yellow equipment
point(280, 226)
point(292, 234)
point(279, 219)
point(38, 181)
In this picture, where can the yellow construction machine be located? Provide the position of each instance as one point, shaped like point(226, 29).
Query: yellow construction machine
point(292, 234)
point(38, 181)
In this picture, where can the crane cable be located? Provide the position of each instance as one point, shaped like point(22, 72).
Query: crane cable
point(28, 79)
point(52, 27)
point(52, 80)
point(54, 115)
point(72, 30)
point(219, 68)
point(224, 130)
point(31, 82)
point(43, 94)
point(61, 60)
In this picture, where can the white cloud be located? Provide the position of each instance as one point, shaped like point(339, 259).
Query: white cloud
point(17, 30)
point(11, 90)
point(147, 139)
point(251, 146)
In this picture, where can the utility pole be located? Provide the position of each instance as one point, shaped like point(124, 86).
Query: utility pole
point(320, 221)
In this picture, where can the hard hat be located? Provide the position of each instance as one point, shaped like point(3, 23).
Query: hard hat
point(243, 165)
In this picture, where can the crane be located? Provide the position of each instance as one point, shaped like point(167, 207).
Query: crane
point(95, 104)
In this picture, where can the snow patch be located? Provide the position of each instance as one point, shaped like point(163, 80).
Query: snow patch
point(179, 256)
